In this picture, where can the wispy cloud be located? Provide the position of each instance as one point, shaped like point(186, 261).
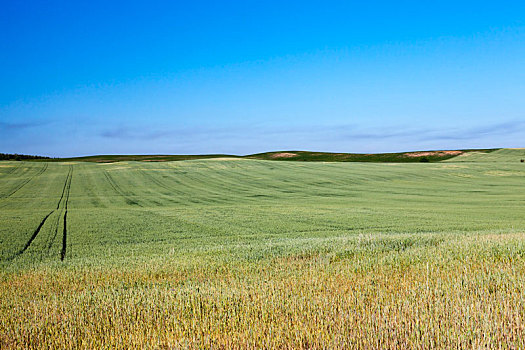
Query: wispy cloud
point(252, 138)
point(379, 133)
point(485, 131)
point(318, 132)
point(126, 133)
point(19, 126)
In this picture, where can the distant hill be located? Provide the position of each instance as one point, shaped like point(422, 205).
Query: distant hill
point(144, 158)
point(503, 155)
point(403, 157)
point(304, 156)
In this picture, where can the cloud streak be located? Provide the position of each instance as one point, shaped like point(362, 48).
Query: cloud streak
point(85, 138)
point(19, 126)
point(304, 136)
point(497, 129)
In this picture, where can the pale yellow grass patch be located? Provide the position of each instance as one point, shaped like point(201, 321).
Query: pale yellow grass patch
point(468, 154)
point(498, 237)
point(225, 158)
point(505, 237)
point(453, 166)
point(119, 168)
point(157, 169)
point(503, 173)
point(464, 175)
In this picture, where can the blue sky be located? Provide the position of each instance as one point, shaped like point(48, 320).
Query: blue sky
point(130, 77)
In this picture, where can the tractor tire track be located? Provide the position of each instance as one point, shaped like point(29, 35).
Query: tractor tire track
point(64, 238)
point(119, 190)
point(25, 182)
point(64, 190)
point(160, 184)
point(64, 231)
point(156, 181)
point(65, 186)
point(32, 238)
point(50, 240)
point(12, 170)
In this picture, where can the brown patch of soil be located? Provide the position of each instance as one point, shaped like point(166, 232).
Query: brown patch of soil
point(283, 155)
point(433, 153)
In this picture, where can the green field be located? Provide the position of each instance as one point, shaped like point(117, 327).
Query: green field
point(226, 253)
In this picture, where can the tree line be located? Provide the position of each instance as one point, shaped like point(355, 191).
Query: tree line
point(16, 156)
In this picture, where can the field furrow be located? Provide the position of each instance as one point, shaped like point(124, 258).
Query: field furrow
point(128, 199)
point(25, 181)
point(64, 232)
point(32, 238)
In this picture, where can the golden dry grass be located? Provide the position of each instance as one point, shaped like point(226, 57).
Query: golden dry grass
point(465, 293)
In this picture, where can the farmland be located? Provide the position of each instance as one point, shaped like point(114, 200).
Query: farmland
point(238, 252)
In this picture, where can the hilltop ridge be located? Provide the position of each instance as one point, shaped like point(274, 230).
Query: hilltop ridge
point(304, 156)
